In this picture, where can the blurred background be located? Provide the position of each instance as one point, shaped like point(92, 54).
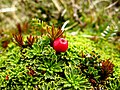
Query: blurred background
point(94, 18)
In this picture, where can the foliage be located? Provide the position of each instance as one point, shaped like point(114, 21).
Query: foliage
point(31, 68)
point(39, 67)
point(31, 63)
point(74, 79)
point(54, 34)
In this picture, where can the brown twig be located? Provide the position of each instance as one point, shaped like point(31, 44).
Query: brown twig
point(75, 14)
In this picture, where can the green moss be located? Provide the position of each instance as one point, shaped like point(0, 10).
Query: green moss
point(40, 66)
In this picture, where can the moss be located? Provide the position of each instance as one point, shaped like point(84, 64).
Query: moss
point(40, 67)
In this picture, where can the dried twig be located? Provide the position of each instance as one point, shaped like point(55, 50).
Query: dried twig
point(111, 5)
point(75, 13)
point(57, 5)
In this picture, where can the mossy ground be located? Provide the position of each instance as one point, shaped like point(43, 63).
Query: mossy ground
point(47, 66)
point(93, 32)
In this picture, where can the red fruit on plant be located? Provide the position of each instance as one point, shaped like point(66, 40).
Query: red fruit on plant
point(60, 45)
point(7, 77)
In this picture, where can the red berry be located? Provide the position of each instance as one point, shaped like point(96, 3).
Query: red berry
point(60, 45)
point(7, 77)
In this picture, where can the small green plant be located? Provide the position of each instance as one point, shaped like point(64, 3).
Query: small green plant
point(32, 63)
point(95, 70)
point(74, 79)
